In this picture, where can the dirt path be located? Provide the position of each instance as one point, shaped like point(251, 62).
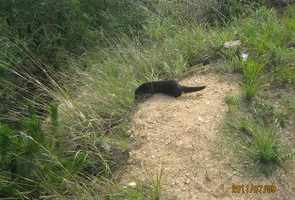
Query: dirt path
point(180, 135)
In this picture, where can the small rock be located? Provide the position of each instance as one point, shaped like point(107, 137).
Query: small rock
point(106, 146)
point(132, 184)
point(244, 56)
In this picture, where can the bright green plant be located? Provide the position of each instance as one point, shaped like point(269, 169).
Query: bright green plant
point(251, 74)
point(267, 151)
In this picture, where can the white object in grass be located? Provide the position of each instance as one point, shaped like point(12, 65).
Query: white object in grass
point(244, 56)
point(132, 184)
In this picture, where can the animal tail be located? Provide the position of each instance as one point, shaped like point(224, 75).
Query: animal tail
point(191, 89)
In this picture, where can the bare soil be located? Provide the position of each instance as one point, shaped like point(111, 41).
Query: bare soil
point(181, 136)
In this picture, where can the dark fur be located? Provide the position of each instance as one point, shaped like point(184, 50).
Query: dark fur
point(169, 87)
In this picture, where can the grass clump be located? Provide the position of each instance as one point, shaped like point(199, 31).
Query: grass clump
point(260, 147)
point(233, 102)
point(34, 163)
point(251, 74)
point(265, 147)
point(18, 155)
point(267, 151)
point(150, 189)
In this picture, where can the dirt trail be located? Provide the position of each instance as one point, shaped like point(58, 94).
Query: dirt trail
point(181, 136)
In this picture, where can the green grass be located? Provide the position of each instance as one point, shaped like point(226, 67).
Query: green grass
point(258, 124)
point(74, 151)
point(149, 189)
point(265, 147)
point(233, 102)
point(259, 148)
point(266, 150)
point(251, 74)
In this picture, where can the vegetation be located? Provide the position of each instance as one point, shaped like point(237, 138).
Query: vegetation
point(151, 190)
point(260, 121)
point(251, 72)
point(68, 70)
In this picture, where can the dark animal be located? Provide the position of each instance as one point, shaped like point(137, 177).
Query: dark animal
point(168, 87)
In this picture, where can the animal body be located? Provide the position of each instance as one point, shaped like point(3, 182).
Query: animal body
point(167, 87)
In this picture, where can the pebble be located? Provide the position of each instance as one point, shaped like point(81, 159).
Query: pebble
point(132, 184)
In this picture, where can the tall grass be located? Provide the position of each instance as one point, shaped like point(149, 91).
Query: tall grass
point(258, 145)
point(149, 189)
point(257, 125)
point(37, 164)
point(73, 152)
point(251, 74)
point(264, 38)
point(48, 28)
